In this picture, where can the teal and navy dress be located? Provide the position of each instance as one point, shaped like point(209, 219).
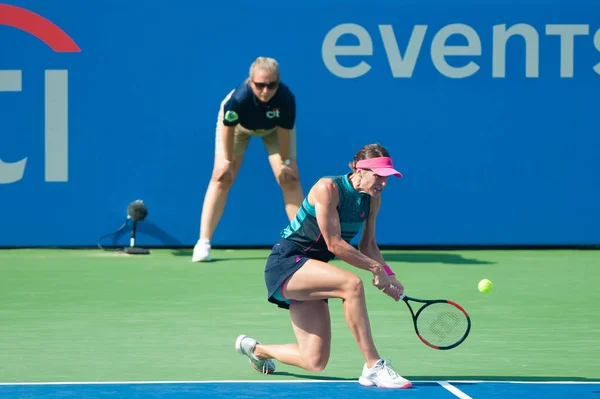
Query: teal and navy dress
point(302, 239)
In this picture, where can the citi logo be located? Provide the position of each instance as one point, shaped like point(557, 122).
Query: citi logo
point(56, 101)
point(273, 114)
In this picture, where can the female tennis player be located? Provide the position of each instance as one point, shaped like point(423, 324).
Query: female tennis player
point(299, 278)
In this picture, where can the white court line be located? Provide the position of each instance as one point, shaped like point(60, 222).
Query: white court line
point(454, 390)
point(179, 382)
point(282, 382)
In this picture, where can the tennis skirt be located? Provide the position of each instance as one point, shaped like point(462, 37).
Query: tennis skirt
point(285, 259)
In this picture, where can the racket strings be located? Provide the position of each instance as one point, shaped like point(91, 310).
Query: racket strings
point(442, 324)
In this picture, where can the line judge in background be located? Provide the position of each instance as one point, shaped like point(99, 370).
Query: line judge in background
point(261, 106)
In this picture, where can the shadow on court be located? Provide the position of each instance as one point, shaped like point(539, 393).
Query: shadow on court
point(215, 257)
point(454, 259)
point(409, 257)
point(146, 228)
point(314, 377)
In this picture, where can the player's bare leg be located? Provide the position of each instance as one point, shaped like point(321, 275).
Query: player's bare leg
point(213, 207)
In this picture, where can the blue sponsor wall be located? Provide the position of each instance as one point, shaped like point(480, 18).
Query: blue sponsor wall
point(497, 137)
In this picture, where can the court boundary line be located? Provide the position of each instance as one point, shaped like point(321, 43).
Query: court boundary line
point(453, 390)
point(288, 382)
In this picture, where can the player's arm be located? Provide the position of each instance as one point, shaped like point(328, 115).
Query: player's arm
point(325, 198)
point(228, 133)
point(368, 243)
point(283, 136)
point(230, 120)
point(286, 123)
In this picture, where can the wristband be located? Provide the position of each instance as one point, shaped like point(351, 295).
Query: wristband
point(388, 270)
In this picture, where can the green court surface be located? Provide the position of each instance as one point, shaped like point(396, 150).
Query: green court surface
point(90, 315)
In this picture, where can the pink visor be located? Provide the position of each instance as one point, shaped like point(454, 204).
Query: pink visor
point(382, 166)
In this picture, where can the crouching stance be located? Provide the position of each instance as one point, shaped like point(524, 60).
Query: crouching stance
point(299, 278)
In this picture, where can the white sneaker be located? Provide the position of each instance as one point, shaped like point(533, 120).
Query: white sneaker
point(245, 345)
point(201, 251)
point(383, 376)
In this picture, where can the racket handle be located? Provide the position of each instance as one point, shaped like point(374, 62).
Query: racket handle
point(401, 296)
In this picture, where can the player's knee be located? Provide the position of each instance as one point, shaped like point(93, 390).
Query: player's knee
point(354, 287)
point(317, 362)
point(289, 184)
point(221, 184)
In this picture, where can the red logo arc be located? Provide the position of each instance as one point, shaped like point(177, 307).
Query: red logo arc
point(38, 26)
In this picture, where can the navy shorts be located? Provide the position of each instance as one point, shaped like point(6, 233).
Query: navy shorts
point(285, 259)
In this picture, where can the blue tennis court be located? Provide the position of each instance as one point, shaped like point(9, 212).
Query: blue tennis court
point(300, 390)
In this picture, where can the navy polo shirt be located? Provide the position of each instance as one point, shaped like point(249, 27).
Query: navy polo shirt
point(244, 108)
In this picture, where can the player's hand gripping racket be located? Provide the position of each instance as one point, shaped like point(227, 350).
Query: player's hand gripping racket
point(439, 323)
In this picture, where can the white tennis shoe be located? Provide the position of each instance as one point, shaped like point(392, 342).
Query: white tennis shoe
point(245, 345)
point(201, 251)
point(382, 375)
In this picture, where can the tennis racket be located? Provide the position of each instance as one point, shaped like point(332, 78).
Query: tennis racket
point(439, 323)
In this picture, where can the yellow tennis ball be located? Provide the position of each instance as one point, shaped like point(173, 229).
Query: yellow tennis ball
point(485, 285)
